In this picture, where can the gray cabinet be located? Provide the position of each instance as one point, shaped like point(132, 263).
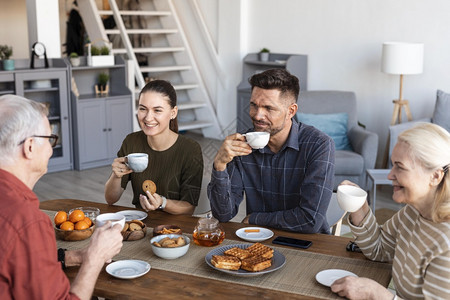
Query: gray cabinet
point(101, 130)
point(296, 64)
point(50, 87)
point(100, 122)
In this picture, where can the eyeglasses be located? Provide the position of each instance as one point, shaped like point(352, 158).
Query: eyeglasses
point(53, 139)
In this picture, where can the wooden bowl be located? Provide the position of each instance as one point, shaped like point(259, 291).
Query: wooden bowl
point(74, 235)
point(134, 235)
point(158, 229)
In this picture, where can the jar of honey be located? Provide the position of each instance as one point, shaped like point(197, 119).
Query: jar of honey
point(208, 232)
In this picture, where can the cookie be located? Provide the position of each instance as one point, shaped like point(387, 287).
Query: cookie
point(149, 185)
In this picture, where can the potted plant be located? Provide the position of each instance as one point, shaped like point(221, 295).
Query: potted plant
point(5, 53)
point(74, 59)
point(102, 84)
point(101, 56)
point(264, 54)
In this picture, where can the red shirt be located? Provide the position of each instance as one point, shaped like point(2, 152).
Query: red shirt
point(29, 268)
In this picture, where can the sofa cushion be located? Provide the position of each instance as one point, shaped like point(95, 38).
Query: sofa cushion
point(348, 163)
point(334, 125)
point(441, 115)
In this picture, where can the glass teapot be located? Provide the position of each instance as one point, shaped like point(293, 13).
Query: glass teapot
point(208, 232)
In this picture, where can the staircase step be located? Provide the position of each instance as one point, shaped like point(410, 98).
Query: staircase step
point(165, 69)
point(190, 105)
point(149, 50)
point(136, 13)
point(179, 87)
point(143, 31)
point(193, 125)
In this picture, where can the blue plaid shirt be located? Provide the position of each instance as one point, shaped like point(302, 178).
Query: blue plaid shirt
point(287, 190)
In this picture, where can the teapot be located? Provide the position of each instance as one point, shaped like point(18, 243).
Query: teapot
point(208, 232)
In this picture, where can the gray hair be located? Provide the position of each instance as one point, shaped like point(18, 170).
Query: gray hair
point(429, 145)
point(20, 118)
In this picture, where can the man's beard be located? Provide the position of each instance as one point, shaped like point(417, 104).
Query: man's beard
point(271, 130)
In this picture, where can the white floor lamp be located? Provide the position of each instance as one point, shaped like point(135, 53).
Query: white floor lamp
point(401, 59)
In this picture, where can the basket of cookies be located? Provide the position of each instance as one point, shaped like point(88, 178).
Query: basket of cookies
point(134, 230)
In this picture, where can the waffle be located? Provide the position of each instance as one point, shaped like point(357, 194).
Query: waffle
point(226, 262)
point(238, 252)
point(256, 263)
point(261, 250)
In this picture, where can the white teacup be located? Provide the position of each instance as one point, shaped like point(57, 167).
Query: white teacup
point(137, 162)
point(115, 218)
point(351, 198)
point(257, 139)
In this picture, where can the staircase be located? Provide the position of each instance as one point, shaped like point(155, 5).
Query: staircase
point(162, 52)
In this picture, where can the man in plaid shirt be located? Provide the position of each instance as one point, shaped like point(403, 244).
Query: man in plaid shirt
point(288, 184)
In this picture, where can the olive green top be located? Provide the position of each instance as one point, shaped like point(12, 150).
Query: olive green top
point(177, 171)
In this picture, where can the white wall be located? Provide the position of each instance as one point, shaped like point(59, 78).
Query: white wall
point(343, 42)
point(13, 24)
point(43, 25)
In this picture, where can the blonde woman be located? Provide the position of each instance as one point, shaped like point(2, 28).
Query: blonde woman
point(416, 239)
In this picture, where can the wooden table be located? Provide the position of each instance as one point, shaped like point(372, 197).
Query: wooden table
point(164, 284)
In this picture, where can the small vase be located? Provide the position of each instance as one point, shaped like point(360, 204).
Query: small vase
point(101, 90)
point(8, 65)
point(264, 56)
point(75, 61)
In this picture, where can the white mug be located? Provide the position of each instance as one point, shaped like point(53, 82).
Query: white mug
point(115, 218)
point(351, 198)
point(257, 139)
point(137, 162)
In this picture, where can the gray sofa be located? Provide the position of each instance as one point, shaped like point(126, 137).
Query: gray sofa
point(350, 165)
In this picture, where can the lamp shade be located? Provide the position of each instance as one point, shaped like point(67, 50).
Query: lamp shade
point(402, 58)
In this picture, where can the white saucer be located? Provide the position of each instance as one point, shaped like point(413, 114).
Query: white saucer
point(128, 269)
point(327, 277)
point(133, 215)
point(262, 235)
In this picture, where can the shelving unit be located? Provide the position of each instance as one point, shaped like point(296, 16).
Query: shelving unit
point(50, 87)
point(296, 64)
point(100, 123)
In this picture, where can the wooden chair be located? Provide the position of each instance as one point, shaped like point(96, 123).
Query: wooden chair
point(203, 202)
point(335, 214)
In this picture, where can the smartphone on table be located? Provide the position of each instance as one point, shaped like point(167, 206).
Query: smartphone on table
point(282, 240)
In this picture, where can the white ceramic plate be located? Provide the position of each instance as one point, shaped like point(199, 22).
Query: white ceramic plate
point(327, 277)
point(128, 269)
point(133, 215)
point(260, 236)
point(278, 261)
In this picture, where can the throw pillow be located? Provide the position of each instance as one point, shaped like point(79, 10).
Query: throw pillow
point(441, 114)
point(334, 125)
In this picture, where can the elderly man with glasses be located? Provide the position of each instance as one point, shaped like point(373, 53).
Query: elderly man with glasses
point(29, 268)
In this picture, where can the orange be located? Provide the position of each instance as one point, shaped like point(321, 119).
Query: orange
point(76, 215)
point(88, 221)
point(80, 225)
point(67, 225)
point(60, 217)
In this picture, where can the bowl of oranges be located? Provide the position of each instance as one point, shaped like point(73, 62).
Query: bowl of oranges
point(75, 226)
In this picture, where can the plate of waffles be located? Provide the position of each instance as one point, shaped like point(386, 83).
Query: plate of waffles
point(254, 234)
point(245, 259)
